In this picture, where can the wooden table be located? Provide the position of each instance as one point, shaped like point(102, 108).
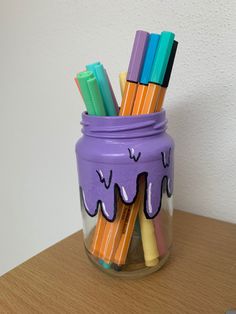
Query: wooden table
point(200, 277)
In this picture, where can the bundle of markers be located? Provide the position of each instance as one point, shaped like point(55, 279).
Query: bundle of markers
point(143, 90)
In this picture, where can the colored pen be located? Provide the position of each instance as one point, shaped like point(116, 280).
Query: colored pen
point(158, 72)
point(123, 247)
point(91, 94)
point(82, 78)
point(77, 84)
point(94, 105)
point(104, 86)
point(111, 109)
point(112, 233)
point(134, 71)
point(149, 242)
point(115, 104)
point(146, 73)
point(96, 97)
point(122, 80)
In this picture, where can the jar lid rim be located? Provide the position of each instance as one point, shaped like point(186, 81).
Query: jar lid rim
point(86, 116)
point(124, 126)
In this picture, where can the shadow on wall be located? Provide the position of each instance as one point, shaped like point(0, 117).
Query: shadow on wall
point(198, 127)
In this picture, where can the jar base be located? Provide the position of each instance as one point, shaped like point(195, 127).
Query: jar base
point(131, 271)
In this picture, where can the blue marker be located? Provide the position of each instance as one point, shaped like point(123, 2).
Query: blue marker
point(152, 48)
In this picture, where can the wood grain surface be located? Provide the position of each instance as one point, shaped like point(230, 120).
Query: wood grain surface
point(200, 277)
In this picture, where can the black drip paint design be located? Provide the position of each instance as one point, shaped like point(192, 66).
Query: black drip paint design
point(164, 188)
point(103, 180)
point(166, 163)
point(132, 155)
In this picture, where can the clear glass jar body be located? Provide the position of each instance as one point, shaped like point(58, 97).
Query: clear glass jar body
point(125, 169)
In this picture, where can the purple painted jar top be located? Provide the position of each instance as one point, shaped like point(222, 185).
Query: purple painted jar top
point(114, 151)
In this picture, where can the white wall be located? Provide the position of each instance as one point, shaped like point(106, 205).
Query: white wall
point(43, 44)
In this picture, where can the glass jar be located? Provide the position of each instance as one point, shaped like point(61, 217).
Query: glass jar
point(125, 169)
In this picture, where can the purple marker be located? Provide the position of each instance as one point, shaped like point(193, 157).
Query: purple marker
point(134, 72)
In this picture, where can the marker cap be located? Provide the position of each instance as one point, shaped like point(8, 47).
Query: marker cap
point(105, 90)
point(91, 67)
point(162, 57)
point(96, 97)
point(149, 57)
point(82, 78)
point(137, 56)
point(170, 65)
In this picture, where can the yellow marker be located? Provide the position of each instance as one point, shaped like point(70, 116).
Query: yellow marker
point(122, 79)
point(150, 249)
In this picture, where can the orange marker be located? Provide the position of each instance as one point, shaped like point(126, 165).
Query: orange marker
point(135, 66)
point(113, 232)
point(122, 250)
point(151, 98)
point(161, 99)
point(128, 98)
point(139, 99)
point(98, 235)
point(133, 76)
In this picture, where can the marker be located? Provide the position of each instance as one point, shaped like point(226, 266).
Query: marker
point(123, 247)
point(77, 84)
point(90, 92)
point(98, 236)
point(105, 87)
point(133, 75)
point(122, 80)
point(149, 242)
point(146, 73)
point(112, 233)
point(91, 67)
point(96, 97)
point(82, 78)
point(167, 76)
point(134, 71)
point(158, 71)
point(111, 106)
point(160, 233)
point(112, 94)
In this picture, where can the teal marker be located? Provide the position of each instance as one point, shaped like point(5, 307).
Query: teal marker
point(162, 57)
point(104, 86)
point(91, 67)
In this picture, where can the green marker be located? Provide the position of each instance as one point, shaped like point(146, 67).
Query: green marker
point(108, 96)
point(162, 57)
point(82, 78)
point(96, 97)
point(105, 90)
point(91, 93)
